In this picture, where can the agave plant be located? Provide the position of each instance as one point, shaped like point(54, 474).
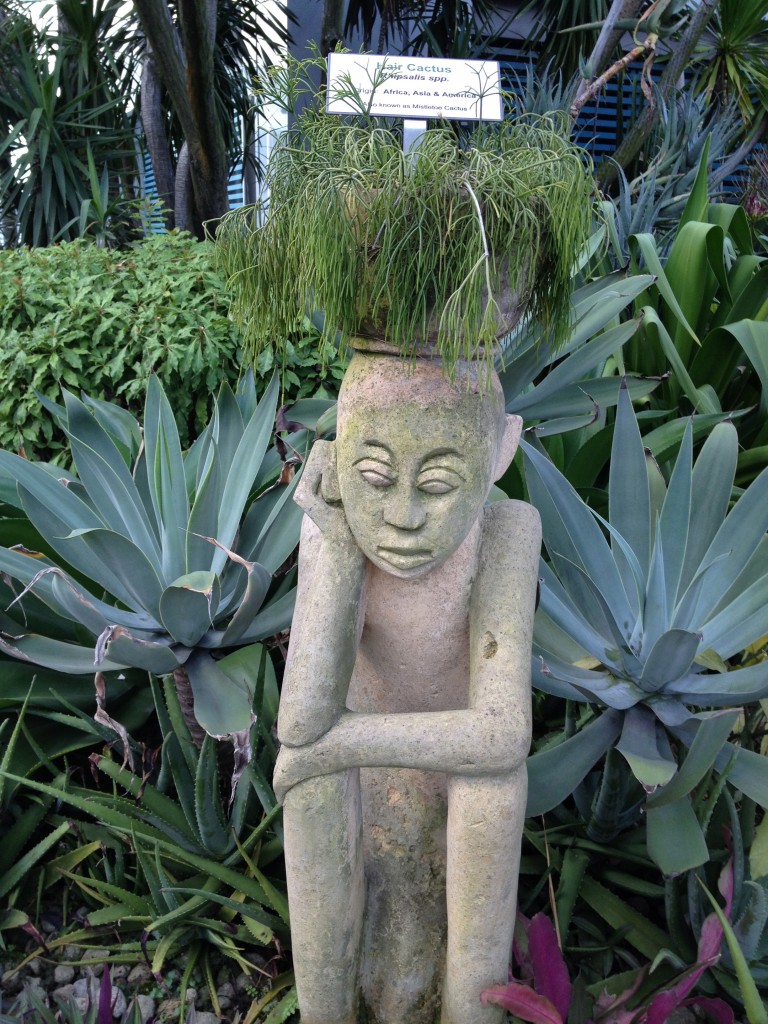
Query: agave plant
point(640, 615)
point(155, 558)
point(561, 387)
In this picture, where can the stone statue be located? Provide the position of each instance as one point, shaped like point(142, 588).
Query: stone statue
point(405, 712)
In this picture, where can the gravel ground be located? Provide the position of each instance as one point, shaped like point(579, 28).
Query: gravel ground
point(76, 977)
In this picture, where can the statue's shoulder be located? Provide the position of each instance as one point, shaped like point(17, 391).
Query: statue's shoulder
point(511, 534)
point(511, 514)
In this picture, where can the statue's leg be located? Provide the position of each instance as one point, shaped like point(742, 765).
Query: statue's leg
point(485, 823)
point(324, 869)
point(404, 814)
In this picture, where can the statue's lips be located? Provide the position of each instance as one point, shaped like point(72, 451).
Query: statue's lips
point(404, 558)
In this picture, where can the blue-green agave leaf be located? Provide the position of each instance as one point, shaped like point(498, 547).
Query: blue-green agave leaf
point(272, 526)
point(570, 530)
point(165, 477)
point(116, 644)
point(628, 492)
point(563, 424)
point(553, 774)
point(684, 616)
point(245, 466)
point(558, 606)
point(669, 659)
point(70, 600)
point(72, 548)
point(121, 426)
point(259, 581)
point(552, 675)
point(675, 517)
point(543, 679)
point(747, 771)
point(188, 606)
point(108, 480)
point(45, 489)
point(140, 580)
point(740, 623)
point(753, 572)
point(67, 592)
point(737, 539)
point(55, 654)
point(719, 689)
point(223, 690)
point(656, 615)
point(227, 426)
point(204, 517)
point(616, 651)
point(643, 745)
point(576, 367)
point(674, 836)
point(594, 306)
point(711, 485)
point(713, 730)
point(273, 618)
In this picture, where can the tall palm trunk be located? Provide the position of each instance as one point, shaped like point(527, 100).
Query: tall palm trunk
point(153, 122)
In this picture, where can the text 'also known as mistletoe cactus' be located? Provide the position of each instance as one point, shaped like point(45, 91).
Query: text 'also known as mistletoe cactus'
point(641, 613)
point(174, 542)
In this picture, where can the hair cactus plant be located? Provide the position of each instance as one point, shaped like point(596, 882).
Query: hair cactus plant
point(444, 249)
point(160, 559)
point(642, 620)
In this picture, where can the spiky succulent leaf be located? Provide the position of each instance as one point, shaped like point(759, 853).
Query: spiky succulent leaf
point(702, 582)
point(160, 538)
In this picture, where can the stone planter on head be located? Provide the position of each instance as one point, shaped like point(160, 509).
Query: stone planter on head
point(405, 711)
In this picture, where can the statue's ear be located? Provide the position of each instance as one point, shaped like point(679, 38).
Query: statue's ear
point(329, 481)
point(508, 445)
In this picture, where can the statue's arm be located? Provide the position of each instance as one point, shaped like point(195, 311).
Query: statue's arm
point(492, 736)
point(325, 631)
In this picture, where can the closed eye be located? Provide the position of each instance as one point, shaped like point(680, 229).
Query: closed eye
point(439, 481)
point(376, 473)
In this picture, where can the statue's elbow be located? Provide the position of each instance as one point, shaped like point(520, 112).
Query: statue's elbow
point(508, 742)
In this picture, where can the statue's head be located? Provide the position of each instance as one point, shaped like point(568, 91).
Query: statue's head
point(416, 455)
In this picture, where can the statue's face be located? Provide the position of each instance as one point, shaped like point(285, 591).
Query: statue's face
point(414, 476)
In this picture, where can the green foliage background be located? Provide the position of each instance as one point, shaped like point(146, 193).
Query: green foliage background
point(85, 317)
point(79, 316)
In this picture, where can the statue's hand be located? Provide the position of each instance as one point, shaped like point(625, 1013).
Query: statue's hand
point(318, 494)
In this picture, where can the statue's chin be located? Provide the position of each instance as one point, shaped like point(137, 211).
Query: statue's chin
point(405, 565)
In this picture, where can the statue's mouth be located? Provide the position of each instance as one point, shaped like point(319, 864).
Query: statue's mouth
point(404, 558)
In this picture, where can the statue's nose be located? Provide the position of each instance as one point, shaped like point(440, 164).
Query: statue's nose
point(403, 510)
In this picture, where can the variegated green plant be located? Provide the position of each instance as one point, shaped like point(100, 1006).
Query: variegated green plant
point(155, 558)
point(641, 615)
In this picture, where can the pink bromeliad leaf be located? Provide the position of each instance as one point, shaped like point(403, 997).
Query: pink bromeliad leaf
point(550, 974)
point(523, 1002)
point(716, 1010)
point(609, 1008)
point(707, 954)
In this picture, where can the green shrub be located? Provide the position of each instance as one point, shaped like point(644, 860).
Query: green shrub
point(86, 317)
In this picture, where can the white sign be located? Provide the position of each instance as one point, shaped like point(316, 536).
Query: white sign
point(414, 87)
